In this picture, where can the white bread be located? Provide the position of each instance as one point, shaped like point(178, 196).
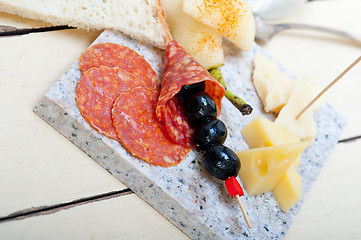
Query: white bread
point(143, 20)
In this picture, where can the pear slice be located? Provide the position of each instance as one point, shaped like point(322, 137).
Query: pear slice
point(233, 19)
point(203, 43)
point(262, 168)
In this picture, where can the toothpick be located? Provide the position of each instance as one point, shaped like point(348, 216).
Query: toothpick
point(243, 211)
point(328, 86)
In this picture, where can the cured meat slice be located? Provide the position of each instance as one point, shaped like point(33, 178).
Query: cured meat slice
point(176, 124)
point(96, 91)
point(181, 69)
point(140, 131)
point(115, 55)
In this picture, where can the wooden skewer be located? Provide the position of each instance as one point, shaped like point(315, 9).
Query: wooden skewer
point(243, 211)
point(328, 86)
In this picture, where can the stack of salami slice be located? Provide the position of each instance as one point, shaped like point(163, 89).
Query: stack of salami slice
point(119, 96)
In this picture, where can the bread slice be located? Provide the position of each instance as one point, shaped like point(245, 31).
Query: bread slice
point(143, 20)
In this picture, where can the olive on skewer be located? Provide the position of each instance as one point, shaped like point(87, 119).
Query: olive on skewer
point(188, 90)
point(209, 135)
point(224, 164)
point(200, 108)
point(221, 162)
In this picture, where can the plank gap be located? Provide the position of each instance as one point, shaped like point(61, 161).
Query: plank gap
point(45, 210)
point(7, 31)
point(351, 139)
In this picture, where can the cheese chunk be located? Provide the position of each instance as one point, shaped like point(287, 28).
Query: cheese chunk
point(262, 168)
point(316, 89)
point(261, 132)
point(301, 95)
point(273, 86)
point(203, 43)
point(288, 191)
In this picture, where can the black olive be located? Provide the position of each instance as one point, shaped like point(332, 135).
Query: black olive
point(200, 108)
point(221, 162)
point(211, 133)
point(188, 90)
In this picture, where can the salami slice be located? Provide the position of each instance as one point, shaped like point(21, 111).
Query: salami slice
point(176, 124)
point(115, 55)
point(96, 91)
point(181, 69)
point(139, 130)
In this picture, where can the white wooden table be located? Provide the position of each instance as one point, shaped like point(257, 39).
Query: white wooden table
point(49, 189)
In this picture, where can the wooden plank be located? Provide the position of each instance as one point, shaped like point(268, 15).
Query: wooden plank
point(36, 211)
point(39, 167)
point(284, 48)
point(126, 217)
point(328, 213)
point(332, 209)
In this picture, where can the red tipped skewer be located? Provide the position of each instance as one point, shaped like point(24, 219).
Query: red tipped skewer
point(235, 190)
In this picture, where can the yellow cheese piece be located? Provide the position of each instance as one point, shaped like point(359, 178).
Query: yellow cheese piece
point(262, 168)
point(301, 95)
point(261, 132)
point(273, 86)
point(288, 190)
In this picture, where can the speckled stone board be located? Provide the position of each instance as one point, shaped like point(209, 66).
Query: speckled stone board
point(188, 195)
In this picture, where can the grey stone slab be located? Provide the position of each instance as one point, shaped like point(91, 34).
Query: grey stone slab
point(187, 195)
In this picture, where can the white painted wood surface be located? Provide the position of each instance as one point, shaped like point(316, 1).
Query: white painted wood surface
point(39, 167)
point(115, 218)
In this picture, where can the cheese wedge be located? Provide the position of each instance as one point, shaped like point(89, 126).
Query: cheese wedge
point(273, 86)
point(261, 132)
point(288, 190)
point(316, 89)
point(262, 168)
point(301, 95)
